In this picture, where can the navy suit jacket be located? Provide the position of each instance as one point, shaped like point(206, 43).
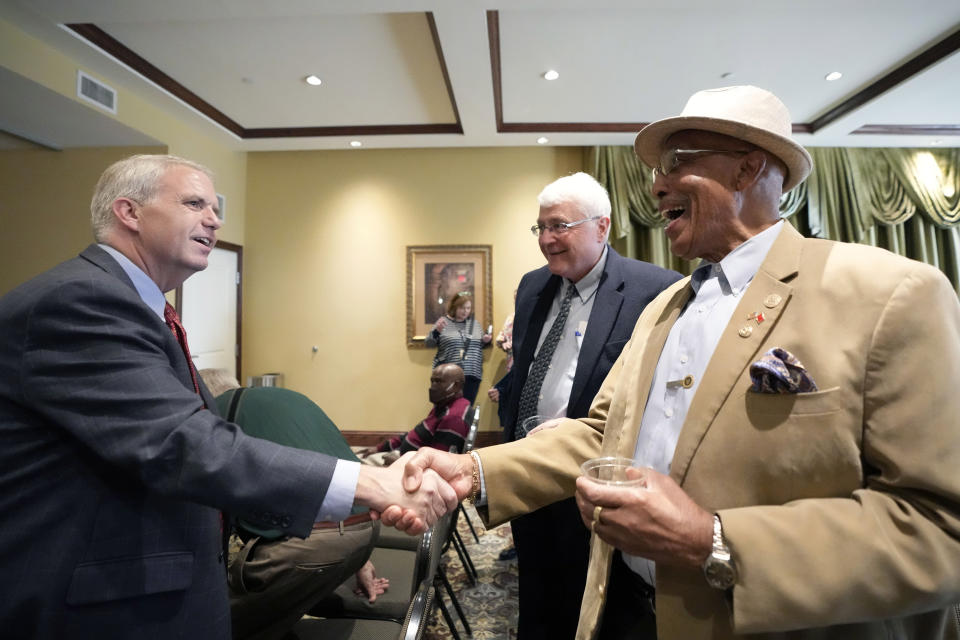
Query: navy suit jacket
point(626, 286)
point(112, 471)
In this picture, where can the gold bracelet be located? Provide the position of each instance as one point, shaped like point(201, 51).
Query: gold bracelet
point(475, 491)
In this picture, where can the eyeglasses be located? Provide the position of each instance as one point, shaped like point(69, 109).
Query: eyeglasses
point(559, 228)
point(670, 159)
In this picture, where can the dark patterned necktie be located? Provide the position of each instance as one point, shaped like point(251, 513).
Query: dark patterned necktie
point(173, 321)
point(530, 396)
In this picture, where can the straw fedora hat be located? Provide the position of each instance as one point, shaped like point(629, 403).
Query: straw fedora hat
point(746, 113)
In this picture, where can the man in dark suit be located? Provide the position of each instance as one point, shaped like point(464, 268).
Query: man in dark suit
point(608, 293)
point(113, 461)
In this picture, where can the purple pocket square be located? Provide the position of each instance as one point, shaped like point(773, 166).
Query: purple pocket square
point(778, 371)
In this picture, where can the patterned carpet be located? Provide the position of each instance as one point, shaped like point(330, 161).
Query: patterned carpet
point(490, 606)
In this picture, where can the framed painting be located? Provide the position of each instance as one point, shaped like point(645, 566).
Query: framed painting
point(436, 273)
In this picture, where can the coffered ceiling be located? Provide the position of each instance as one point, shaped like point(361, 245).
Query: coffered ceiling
point(401, 73)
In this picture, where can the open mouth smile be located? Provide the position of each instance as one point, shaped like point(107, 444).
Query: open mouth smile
point(673, 213)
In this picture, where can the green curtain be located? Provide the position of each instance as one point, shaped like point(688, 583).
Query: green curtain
point(904, 200)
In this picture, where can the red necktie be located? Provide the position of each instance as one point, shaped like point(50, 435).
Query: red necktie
point(173, 321)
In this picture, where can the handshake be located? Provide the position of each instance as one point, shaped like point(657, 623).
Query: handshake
point(416, 490)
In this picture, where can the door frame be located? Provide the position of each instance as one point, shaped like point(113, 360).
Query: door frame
point(237, 249)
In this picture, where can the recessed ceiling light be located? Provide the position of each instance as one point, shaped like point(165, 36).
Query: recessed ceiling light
point(313, 80)
point(356, 143)
point(542, 140)
point(550, 74)
point(833, 75)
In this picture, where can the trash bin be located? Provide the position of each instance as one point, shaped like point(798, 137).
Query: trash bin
point(266, 380)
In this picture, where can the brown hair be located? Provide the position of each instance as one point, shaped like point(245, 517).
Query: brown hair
point(457, 301)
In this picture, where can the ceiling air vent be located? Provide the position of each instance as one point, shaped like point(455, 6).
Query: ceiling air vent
point(96, 92)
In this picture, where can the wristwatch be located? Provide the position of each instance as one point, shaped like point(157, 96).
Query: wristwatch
point(718, 568)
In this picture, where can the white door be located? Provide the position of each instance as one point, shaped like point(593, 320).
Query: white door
point(209, 311)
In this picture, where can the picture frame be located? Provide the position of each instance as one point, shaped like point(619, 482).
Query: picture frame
point(222, 206)
point(437, 272)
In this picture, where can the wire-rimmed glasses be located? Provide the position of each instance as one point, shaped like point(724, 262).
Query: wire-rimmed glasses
point(559, 228)
point(670, 159)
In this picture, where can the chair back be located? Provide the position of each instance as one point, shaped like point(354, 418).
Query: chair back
point(418, 615)
point(439, 535)
point(425, 550)
point(473, 414)
point(430, 550)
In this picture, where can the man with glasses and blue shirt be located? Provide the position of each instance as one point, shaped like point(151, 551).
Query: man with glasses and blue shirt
point(572, 318)
point(792, 408)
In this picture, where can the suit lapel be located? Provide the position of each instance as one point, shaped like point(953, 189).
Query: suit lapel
point(603, 316)
point(535, 308)
point(105, 261)
point(620, 437)
point(769, 294)
point(641, 375)
point(528, 321)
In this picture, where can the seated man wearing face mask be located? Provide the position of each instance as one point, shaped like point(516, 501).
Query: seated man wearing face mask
point(445, 426)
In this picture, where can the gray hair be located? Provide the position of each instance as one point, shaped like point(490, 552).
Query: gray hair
point(138, 178)
point(581, 190)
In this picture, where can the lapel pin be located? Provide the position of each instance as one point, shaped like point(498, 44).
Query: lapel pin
point(756, 315)
point(686, 382)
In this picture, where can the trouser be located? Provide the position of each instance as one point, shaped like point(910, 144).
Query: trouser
point(552, 553)
point(470, 387)
point(273, 583)
point(629, 612)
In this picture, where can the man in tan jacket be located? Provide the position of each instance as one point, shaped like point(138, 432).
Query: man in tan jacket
point(793, 407)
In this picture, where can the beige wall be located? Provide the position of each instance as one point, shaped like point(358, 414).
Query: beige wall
point(325, 264)
point(33, 59)
point(324, 236)
point(45, 206)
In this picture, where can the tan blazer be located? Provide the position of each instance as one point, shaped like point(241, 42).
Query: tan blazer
point(842, 507)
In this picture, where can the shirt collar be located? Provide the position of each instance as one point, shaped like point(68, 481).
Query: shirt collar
point(587, 285)
point(147, 289)
point(737, 268)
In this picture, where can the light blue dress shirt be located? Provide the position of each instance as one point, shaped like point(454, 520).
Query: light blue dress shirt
point(338, 500)
point(690, 344)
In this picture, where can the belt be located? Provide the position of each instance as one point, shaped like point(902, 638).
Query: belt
point(355, 519)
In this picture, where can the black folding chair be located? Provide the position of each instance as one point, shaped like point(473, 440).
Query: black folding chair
point(455, 539)
point(413, 627)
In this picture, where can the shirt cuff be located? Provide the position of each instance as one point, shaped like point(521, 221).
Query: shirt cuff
point(338, 501)
point(482, 498)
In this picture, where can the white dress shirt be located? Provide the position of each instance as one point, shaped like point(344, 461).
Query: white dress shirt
point(690, 344)
point(557, 384)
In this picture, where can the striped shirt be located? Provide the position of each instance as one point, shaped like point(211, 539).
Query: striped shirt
point(459, 343)
point(444, 428)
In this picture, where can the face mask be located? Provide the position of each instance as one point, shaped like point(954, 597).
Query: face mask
point(439, 395)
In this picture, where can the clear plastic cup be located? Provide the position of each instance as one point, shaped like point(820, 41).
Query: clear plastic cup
point(610, 470)
point(531, 423)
